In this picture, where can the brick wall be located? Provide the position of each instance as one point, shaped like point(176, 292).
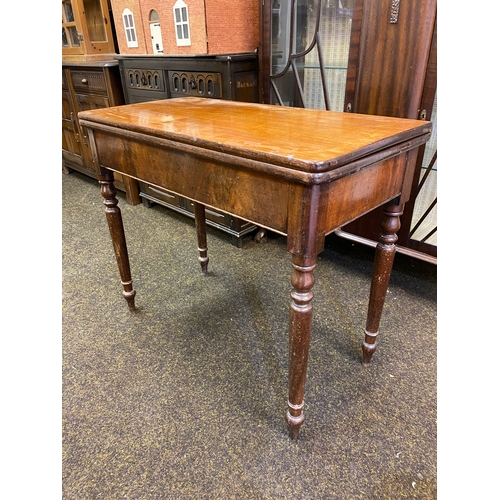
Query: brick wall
point(217, 26)
point(196, 10)
point(232, 25)
point(118, 6)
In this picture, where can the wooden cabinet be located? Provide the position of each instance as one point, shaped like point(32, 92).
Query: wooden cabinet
point(87, 30)
point(361, 56)
point(89, 85)
point(220, 76)
point(90, 80)
point(393, 72)
point(71, 149)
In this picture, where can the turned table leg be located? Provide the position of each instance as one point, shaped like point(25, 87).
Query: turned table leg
point(115, 223)
point(382, 267)
point(201, 233)
point(300, 331)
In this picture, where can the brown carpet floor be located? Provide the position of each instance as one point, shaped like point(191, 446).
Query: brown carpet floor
point(186, 398)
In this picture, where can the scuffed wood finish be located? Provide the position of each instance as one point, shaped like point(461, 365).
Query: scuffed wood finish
point(299, 338)
point(300, 172)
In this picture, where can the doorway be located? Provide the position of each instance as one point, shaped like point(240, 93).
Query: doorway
point(156, 38)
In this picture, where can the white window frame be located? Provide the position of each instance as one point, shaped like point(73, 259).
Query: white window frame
point(181, 24)
point(129, 25)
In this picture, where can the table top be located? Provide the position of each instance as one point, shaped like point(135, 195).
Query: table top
point(301, 139)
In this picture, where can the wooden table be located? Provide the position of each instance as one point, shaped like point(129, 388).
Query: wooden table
point(299, 172)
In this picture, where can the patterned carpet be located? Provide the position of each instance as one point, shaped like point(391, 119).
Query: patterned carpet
point(186, 398)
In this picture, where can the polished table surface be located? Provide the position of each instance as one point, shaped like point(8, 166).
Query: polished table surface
point(300, 172)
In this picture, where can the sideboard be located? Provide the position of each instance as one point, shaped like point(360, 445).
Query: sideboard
point(218, 76)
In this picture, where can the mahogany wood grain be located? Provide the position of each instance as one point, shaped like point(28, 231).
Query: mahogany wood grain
point(392, 62)
point(300, 172)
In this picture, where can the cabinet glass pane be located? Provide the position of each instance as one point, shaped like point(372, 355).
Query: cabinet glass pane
point(424, 219)
point(95, 20)
point(310, 51)
point(70, 37)
point(68, 12)
point(69, 32)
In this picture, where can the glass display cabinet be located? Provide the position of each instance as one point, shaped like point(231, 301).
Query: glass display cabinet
point(361, 56)
point(87, 29)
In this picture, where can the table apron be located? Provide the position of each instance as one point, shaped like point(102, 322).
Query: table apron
point(254, 196)
point(351, 196)
point(260, 196)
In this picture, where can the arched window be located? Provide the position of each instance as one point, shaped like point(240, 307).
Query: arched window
point(153, 16)
point(128, 23)
point(181, 21)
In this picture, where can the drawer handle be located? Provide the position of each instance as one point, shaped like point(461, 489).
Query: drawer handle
point(75, 126)
point(211, 212)
point(85, 81)
point(161, 192)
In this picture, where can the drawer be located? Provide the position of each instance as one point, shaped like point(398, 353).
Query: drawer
point(135, 96)
point(145, 79)
point(219, 218)
point(88, 81)
point(199, 84)
point(161, 195)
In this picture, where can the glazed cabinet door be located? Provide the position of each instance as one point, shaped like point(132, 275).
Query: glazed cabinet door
point(71, 147)
point(374, 57)
point(86, 102)
point(86, 28)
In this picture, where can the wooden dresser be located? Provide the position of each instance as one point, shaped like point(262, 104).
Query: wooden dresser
point(90, 80)
point(89, 85)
